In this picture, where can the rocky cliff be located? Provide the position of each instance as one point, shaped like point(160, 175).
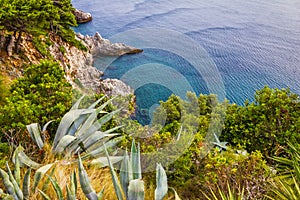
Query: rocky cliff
point(78, 64)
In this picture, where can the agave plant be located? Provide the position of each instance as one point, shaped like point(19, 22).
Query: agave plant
point(286, 186)
point(131, 184)
point(79, 131)
point(221, 195)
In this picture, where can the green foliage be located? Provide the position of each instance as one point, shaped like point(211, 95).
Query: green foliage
point(286, 185)
point(4, 153)
point(3, 91)
point(41, 95)
point(266, 124)
point(238, 169)
point(39, 17)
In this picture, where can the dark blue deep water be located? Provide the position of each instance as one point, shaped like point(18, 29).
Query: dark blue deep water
point(252, 43)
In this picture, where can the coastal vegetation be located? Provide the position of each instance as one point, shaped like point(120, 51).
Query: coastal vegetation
point(82, 150)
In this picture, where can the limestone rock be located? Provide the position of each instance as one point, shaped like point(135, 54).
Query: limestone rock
point(82, 17)
point(103, 47)
point(113, 87)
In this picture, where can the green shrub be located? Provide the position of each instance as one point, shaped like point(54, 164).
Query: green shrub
point(266, 124)
point(238, 170)
point(41, 95)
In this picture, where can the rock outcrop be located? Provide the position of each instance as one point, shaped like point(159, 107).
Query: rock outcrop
point(78, 64)
point(101, 46)
point(82, 17)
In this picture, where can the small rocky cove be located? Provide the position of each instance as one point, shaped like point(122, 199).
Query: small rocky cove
point(78, 64)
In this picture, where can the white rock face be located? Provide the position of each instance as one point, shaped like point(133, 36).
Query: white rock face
point(78, 64)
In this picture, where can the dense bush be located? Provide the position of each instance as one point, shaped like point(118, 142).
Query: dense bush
point(241, 171)
point(41, 95)
point(266, 124)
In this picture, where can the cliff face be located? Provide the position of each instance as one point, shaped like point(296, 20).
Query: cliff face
point(78, 64)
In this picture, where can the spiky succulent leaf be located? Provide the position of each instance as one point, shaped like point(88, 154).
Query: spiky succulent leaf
point(116, 183)
point(125, 173)
point(77, 103)
point(136, 190)
point(14, 182)
point(136, 161)
point(24, 159)
point(57, 189)
point(71, 191)
point(100, 194)
point(85, 183)
point(39, 174)
point(64, 143)
point(102, 161)
point(100, 150)
point(17, 173)
point(26, 184)
point(47, 181)
point(8, 184)
point(36, 134)
point(161, 183)
point(44, 195)
point(65, 124)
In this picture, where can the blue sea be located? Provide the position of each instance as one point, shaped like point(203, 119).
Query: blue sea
point(228, 47)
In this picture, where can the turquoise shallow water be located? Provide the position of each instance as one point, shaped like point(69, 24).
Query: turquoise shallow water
point(252, 43)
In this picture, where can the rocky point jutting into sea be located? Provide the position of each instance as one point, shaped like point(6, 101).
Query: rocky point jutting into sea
point(78, 64)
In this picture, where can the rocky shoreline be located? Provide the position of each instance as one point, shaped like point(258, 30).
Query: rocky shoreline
point(78, 64)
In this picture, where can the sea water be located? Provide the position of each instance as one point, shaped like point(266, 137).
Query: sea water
point(251, 43)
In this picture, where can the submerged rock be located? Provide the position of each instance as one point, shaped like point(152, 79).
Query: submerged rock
point(82, 17)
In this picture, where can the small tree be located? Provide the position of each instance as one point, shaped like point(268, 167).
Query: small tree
point(42, 94)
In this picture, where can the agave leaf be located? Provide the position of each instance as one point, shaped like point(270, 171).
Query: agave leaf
point(26, 184)
point(136, 190)
point(85, 183)
point(77, 103)
point(40, 173)
point(36, 134)
point(101, 149)
point(64, 143)
point(125, 173)
point(116, 183)
point(87, 131)
point(161, 183)
point(44, 195)
point(65, 124)
point(175, 193)
point(96, 102)
point(46, 125)
point(14, 182)
point(57, 189)
point(77, 124)
point(102, 161)
point(47, 181)
point(71, 191)
point(24, 159)
point(8, 184)
point(96, 137)
point(17, 173)
point(136, 161)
